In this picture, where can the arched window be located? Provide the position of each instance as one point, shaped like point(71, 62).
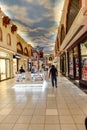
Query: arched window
point(19, 48)
point(8, 39)
point(73, 9)
point(26, 51)
point(0, 34)
point(62, 34)
point(57, 44)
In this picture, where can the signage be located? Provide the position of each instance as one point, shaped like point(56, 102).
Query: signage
point(16, 56)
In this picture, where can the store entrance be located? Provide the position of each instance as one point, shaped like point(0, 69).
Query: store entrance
point(4, 69)
point(76, 67)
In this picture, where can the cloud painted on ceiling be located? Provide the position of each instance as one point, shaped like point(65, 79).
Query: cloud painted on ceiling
point(37, 20)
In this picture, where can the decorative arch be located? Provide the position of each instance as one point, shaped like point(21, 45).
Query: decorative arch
point(26, 51)
point(19, 48)
point(55, 48)
point(8, 39)
point(57, 43)
point(62, 34)
point(73, 9)
point(0, 34)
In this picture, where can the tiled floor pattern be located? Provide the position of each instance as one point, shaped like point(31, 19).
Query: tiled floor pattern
point(42, 108)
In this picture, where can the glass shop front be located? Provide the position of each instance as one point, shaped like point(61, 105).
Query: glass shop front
point(83, 49)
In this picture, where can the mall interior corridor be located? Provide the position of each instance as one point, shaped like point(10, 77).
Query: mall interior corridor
point(26, 107)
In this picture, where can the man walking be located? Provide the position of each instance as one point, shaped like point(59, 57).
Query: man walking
point(53, 73)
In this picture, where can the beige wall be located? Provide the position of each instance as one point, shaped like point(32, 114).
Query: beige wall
point(5, 31)
point(24, 44)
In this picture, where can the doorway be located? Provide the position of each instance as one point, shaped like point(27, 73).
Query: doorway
point(4, 69)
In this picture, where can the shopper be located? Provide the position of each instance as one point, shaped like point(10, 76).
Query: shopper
point(21, 70)
point(53, 73)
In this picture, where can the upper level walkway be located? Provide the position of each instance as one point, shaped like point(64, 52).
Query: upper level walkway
point(42, 107)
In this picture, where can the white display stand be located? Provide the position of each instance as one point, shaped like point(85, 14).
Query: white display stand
point(30, 78)
point(37, 76)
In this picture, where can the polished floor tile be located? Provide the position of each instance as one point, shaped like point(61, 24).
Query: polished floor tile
point(28, 107)
point(51, 112)
point(52, 120)
point(38, 120)
point(24, 119)
point(66, 120)
point(20, 127)
point(68, 127)
point(52, 127)
point(6, 126)
point(36, 127)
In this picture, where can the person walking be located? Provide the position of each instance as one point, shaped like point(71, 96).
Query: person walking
point(53, 74)
point(22, 70)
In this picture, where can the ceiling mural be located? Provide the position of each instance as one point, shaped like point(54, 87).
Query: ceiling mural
point(37, 20)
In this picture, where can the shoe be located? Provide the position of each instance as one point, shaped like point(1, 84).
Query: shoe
point(56, 86)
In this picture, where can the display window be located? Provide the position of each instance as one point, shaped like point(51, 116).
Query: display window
point(63, 63)
point(77, 66)
point(71, 67)
point(4, 69)
point(83, 47)
point(76, 62)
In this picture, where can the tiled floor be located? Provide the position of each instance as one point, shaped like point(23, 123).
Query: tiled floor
point(32, 107)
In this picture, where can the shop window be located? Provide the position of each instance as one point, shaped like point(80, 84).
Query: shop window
point(71, 62)
point(8, 39)
point(76, 62)
point(84, 60)
point(0, 34)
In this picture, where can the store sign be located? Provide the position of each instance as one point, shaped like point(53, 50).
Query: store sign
point(16, 56)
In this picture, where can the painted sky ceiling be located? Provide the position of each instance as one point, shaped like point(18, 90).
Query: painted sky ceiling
point(37, 20)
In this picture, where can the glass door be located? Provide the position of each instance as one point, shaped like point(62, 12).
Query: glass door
point(2, 69)
point(7, 68)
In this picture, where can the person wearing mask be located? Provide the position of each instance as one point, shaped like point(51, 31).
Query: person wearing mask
point(53, 74)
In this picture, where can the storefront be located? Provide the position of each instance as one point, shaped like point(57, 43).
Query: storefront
point(73, 63)
point(23, 61)
point(29, 64)
point(63, 64)
point(5, 65)
point(83, 48)
point(16, 58)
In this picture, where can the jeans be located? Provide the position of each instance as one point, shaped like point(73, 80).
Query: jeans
point(54, 80)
